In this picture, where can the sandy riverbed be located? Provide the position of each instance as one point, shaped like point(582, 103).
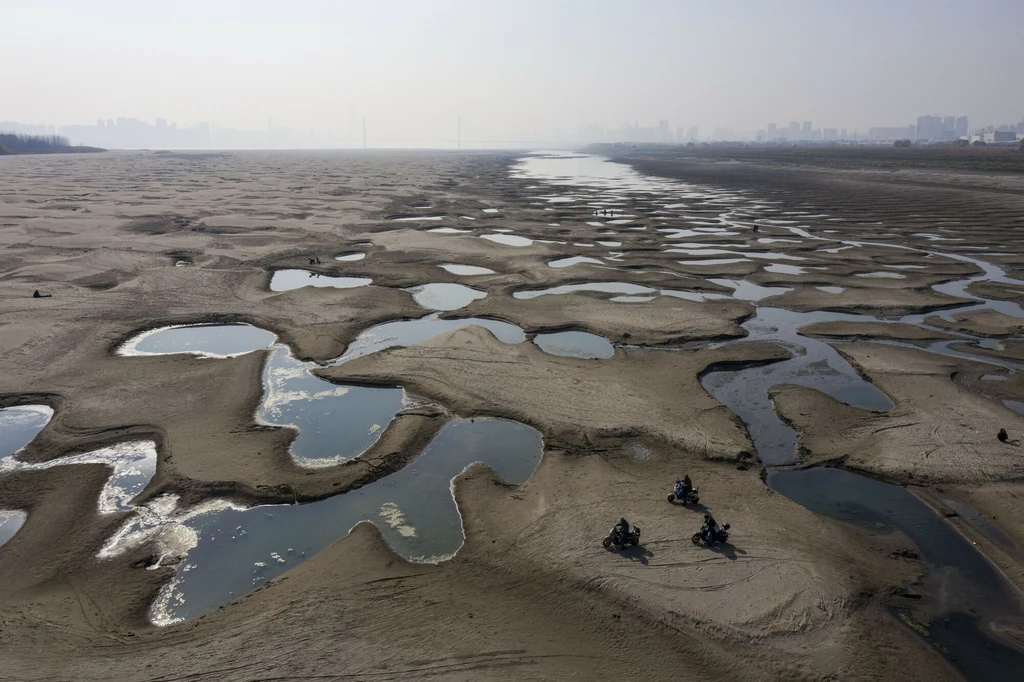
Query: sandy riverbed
point(130, 241)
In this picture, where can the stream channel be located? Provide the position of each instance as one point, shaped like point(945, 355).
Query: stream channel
point(224, 551)
point(964, 597)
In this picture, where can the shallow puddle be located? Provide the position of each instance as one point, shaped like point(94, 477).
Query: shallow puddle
point(773, 240)
point(448, 230)
point(466, 270)
point(239, 550)
point(632, 299)
point(682, 233)
point(783, 269)
point(445, 296)
point(714, 261)
point(575, 344)
point(575, 260)
point(19, 425)
point(748, 291)
point(11, 522)
point(286, 280)
point(601, 287)
point(631, 290)
point(507, 239)
point(411, 332)
point(705, 252)
point(335, 423)
point(133, 463)
point(215, 341)
point(881, 275)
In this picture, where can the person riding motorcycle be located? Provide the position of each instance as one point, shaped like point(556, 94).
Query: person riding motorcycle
point(687, 485)
point(622, 529)
point(712, 526)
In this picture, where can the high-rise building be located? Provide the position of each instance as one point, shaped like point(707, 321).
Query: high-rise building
point(960, 129)
point(949, 127)
point(805, 132)
point(693, 132)
point(794, 131)
point(929, 128)
point(773, 131)
point(937, 128)
point(662, 134)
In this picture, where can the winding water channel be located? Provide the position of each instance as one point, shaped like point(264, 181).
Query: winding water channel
point(964, 595)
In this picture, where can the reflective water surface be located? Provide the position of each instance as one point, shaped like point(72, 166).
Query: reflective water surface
point(216, 341)
point(445, 296)
point(575, 344)
point(286, 280)
point(238, 550)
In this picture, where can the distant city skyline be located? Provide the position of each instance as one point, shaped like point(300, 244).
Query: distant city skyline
point(526, 70)
point(131, 133)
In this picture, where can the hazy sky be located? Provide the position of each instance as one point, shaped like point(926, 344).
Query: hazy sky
point(510, 68)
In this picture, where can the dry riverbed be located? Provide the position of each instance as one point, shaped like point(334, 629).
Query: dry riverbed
point(126, 242)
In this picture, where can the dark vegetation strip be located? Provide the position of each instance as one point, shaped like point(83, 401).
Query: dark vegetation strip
point(11, 143)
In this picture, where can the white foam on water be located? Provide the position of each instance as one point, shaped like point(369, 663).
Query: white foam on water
point(134, 464)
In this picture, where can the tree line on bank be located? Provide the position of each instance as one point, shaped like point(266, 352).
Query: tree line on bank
point(12, 143)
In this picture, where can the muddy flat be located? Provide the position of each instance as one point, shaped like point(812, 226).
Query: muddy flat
point(758, 316)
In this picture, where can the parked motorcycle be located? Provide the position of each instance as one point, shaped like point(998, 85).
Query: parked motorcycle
point(704, 535)
point(678, 493)
point(616, 538)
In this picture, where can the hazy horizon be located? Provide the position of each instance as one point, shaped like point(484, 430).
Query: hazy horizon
point(513, 71)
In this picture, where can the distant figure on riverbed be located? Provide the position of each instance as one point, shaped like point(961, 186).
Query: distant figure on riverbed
point(1003, 436)
point(36, 294)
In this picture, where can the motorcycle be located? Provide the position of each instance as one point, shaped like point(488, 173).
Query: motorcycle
point(703, 535)
point(615, 538)
point(678, 494)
